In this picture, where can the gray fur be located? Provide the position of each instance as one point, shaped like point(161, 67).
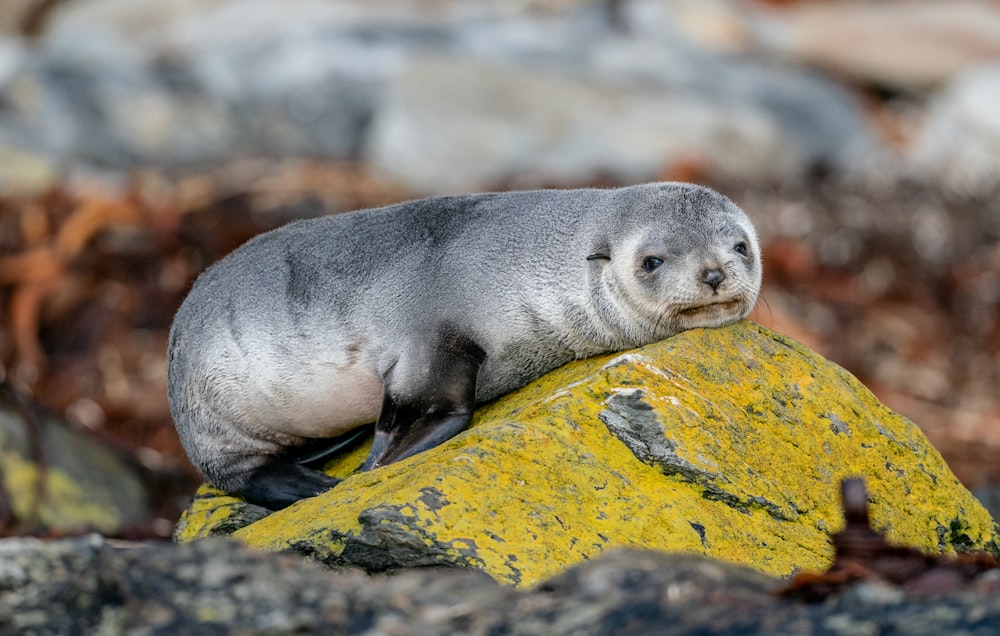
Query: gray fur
point(295, 334)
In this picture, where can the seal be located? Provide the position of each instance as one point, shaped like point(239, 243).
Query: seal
point(410, 315)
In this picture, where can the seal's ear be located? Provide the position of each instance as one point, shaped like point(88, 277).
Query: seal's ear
point(602, 252)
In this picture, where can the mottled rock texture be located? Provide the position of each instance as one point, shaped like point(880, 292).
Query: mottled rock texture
point(88, 586)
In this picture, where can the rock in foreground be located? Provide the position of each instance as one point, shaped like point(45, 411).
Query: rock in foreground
point(727, 443)
point(220, 587)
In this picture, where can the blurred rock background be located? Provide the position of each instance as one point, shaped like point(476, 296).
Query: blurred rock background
point(141, 140)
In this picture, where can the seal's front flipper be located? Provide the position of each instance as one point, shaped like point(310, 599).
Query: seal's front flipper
point(281, 484)
point(406, 432)
point(416, 419)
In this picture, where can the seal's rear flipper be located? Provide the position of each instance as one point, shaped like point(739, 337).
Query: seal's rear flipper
point(316, 452)
point(281, 484)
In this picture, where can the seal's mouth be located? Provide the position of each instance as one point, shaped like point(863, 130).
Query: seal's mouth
point(724, 307)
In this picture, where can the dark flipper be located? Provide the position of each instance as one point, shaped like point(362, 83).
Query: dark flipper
point(281, 484)
point(406, 432)
point(316, 452)
point(442, 406)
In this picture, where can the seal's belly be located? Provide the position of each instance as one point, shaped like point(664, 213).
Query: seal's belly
point(309, 397)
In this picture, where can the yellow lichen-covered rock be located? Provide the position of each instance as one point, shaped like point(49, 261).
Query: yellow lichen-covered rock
point(725, 442)
point(85, 486)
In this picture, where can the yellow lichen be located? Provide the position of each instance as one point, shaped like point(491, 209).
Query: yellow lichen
point(757, 430)
point(64, 506)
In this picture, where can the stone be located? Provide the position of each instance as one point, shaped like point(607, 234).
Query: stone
point(13, 16)
point(220, 586)
point(87, 486)
point(958, 144)
point(903, 46)
point(989, 496)
point(598, 105)
point(453, 98)
point(25, 172)
point(453, 125)
point(727, 443)
point(119, 85)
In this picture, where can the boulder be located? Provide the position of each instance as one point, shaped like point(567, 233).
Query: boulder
point(87, 486)
point(957, 145)
point(903, 46)
point(624, 108)
point(727, 443)
point(25, 172)
point(560, 95)
point(453, 125)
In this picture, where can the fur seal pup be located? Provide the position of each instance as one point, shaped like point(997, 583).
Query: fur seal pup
point(409, 315)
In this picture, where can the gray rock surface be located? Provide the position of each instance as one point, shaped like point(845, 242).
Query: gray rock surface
point(88, 586)
point(474, 95)
point(450, 124)
point(989, 496)
point(77, 106)
point(957, 146)
point(561, 96)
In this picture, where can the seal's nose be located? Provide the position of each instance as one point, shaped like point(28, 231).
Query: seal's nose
point(713, 278)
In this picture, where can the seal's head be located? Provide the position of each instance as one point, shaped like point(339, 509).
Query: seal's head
point(686, 257)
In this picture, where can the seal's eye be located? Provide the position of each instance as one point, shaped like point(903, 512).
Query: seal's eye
point(741, 248)
point(651, 263)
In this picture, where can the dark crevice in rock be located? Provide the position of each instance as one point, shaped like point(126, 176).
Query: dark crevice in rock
point(391, 540)
point(633, 421)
